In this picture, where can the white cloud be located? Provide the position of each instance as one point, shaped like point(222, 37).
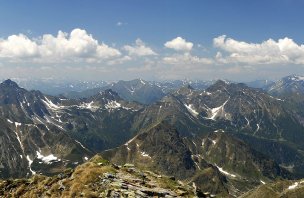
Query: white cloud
point(186, 59)
point(268, 52)
point(179, 44)
point(139, 49)
point(120, 60)
point(119, 24)
point(19, 46)
point(76, 46)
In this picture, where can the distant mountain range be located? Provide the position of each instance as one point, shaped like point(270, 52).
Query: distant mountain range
point(225, 138)
point(147, 92)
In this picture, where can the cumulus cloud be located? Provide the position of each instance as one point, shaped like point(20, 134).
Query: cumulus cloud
point(78, 45)
point(267, 52)
point(18, 46)
point(179, 44)
point(139, 49)
point(186, 59)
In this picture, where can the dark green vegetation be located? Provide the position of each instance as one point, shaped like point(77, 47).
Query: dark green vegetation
point(224, 140)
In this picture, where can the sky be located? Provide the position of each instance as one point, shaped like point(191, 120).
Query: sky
point(239, 40)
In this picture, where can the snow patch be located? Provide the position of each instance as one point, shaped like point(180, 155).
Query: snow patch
point(297, 78)
point(248, 122)
point(10, 121)
point(293, 186)
point(219, 131)
point(50, 104)
point(216, 111)
point(225, 172)
point(142, 82)
point(80, 144)
point(191, 109)
point(89, 106)
point(30, 164)
point(17, 124)
point(144, 154)
point(47, 159)
point(258, 127)
point(113, 105)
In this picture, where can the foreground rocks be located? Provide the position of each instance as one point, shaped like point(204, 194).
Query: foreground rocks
point(99, 178)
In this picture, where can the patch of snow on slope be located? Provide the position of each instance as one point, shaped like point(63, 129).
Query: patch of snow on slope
point(89, 106)
point(50, 104)
point(30, 164)
point(47, 159)
point(248, 122)
point(80, 144)
point(18, 137)
point(192, 157)
point(112, 105)
point(127, 144)
point(298, 78)
point(10, 121)
point(258, 127)
point(191, 109)
point(142, 82)
point(217, 110)
point(144, 154)
point(219, 131)
point(225, 172)
point(293, 186)
point(17, 124)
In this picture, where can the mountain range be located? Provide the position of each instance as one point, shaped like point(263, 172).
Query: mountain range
point(225, 138)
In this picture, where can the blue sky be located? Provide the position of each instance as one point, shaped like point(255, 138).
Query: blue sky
point(263, 39)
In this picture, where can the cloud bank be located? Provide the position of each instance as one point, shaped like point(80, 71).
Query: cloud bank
point(81, 54)
point(268, 52)
point(75, 46)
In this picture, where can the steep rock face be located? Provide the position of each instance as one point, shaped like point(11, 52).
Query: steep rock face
point(287, 155)
point(12, 163)
point(161, 148)
point(172, 110)
point(48, 133)
point(229, 163)
point(234, 156)
point(293, 84)
point(238, 108)
point(29, 137)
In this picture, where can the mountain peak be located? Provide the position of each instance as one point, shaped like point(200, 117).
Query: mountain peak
point(218, 85)
point(10, 83)
point(295, 77)
point(110, 94)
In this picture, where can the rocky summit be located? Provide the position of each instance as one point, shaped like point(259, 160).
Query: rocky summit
point(100, 178)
